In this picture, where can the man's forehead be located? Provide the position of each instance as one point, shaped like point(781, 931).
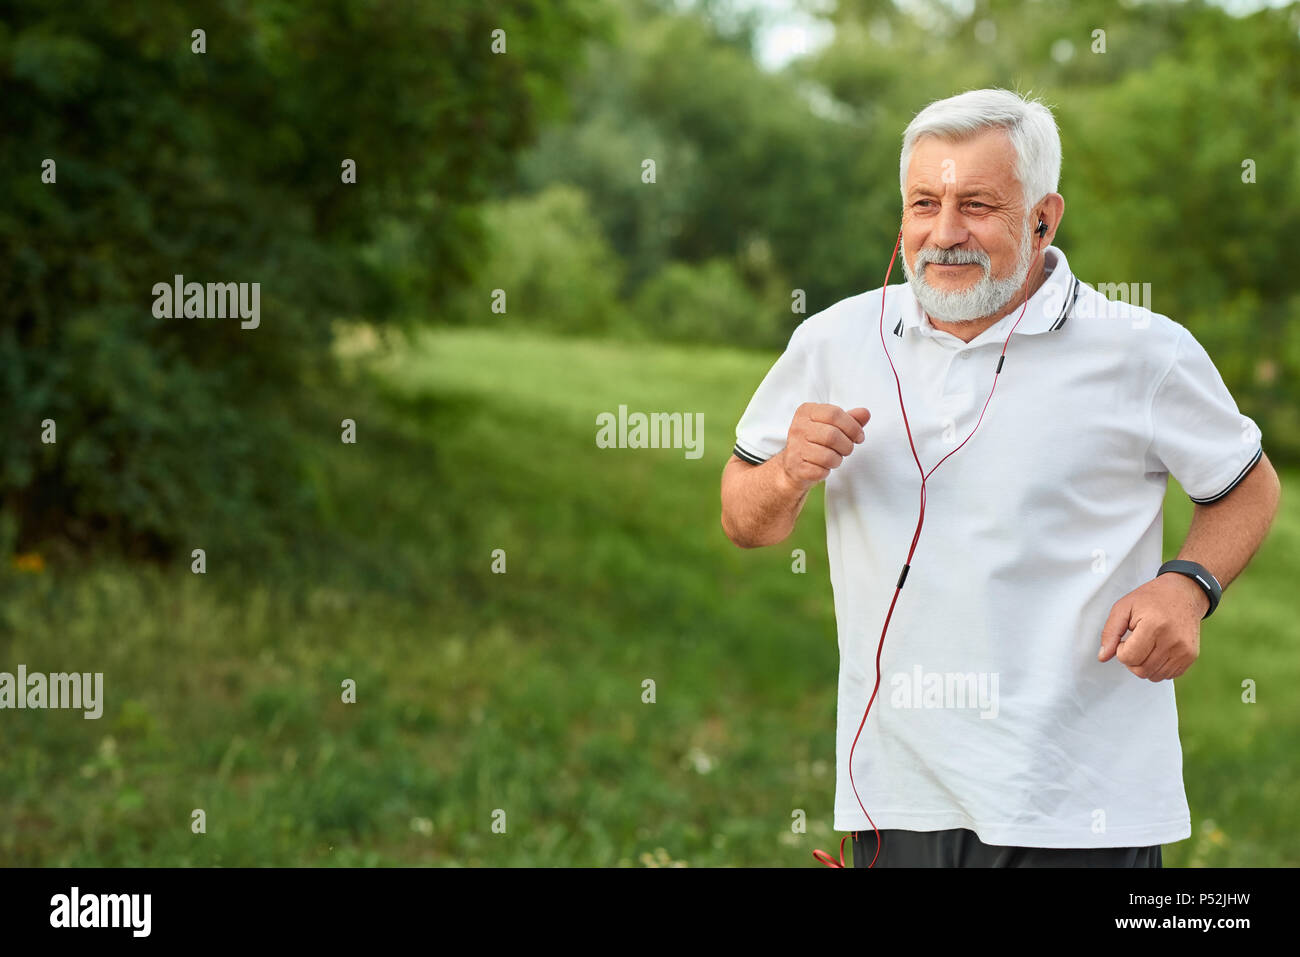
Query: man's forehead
point(986, 157)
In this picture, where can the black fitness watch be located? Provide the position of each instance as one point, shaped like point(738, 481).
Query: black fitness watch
point(1199, 574)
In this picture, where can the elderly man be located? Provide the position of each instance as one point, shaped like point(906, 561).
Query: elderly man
point(1015, 430)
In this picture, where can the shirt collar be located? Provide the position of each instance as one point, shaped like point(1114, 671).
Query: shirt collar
point(1048, 310)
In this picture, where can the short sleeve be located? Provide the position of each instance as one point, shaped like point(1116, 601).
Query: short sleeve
point(762, 430)
point(1198, 435)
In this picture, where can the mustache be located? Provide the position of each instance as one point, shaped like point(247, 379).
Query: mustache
point(952, 257)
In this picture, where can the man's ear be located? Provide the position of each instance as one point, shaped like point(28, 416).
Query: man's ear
point(1051, 210)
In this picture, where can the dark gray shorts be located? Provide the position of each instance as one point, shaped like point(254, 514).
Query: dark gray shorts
point(959, 847)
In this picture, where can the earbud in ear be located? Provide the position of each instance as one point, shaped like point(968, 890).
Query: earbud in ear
point(1042, 227)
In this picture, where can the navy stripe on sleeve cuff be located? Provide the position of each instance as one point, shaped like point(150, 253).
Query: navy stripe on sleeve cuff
point(1234, 483)
point(749, 457)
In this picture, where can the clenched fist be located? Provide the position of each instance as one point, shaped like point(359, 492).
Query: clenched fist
point(820, 437)
point(1163, 622)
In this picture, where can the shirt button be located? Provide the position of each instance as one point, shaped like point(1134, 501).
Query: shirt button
point(965, 355)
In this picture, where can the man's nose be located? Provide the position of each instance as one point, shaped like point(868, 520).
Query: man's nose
point(949, 227)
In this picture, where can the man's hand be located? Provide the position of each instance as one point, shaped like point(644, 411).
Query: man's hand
point(1164, 618)
point(820, 437)
point(760, 503)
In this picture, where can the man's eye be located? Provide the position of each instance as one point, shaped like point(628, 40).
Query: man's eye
point(975, 203)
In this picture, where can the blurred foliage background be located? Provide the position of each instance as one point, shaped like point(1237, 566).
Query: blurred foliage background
point(522, 171)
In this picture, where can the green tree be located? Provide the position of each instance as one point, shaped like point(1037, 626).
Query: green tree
point(225, 165)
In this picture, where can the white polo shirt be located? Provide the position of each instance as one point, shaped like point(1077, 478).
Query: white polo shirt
point(994, 713)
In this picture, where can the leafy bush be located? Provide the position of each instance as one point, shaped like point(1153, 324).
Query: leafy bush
point(709, 302)
point(548, 256)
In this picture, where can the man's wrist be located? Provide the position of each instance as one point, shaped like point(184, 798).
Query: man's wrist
point(1193, 589)
point(792, 487)
point(1199, 577)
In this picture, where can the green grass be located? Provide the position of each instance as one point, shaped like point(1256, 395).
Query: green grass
point(523, 691)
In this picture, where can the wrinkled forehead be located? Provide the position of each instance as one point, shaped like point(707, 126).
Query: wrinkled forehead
point(985, 158)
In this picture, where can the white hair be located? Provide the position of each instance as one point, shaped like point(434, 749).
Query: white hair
point(1028, 123)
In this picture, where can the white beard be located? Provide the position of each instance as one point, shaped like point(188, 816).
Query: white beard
point(985, 298)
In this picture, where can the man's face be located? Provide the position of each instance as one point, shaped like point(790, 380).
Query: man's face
point(967, 238)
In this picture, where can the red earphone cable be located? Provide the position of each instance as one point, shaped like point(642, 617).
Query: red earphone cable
point(916, 537)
